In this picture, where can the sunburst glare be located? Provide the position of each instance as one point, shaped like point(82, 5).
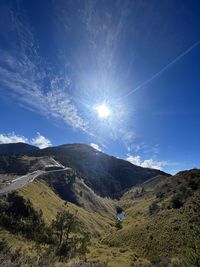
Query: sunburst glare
point(103, 111)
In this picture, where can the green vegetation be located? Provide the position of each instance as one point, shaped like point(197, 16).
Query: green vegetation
point(192, 254)
point(118, 224)
point(64, 237)
point(153, 208)
point(152, 221)
point(13, 164)
point(19, 216)
point(43, 197)
point(176, 201)
point(40, 226)
point(70, 239)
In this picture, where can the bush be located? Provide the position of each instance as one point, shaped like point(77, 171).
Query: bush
point(153, 208)
point(64, 235)
point(19, 216)
point(176, 201)
point(3, 245)
point(118, 224)
point(160, 195)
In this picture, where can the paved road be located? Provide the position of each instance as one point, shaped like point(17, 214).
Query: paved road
point(25, 179)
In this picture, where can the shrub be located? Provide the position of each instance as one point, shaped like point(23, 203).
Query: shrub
point(19, 216)
point(3, 245)
point(153, 208)
point(65, 236)
point(160, 195)
point(176, 201)
point(118, 224)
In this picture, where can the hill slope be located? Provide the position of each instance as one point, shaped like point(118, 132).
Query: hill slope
point(16, 148)
point(162, 220)
point(161, 225)
point(106, 175)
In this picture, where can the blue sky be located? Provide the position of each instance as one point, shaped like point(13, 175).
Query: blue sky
point(61, 60)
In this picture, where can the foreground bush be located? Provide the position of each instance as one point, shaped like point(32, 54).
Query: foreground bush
point(65, 235)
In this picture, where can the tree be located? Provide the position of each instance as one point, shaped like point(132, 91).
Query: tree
point(71, 239)
point(84, 242)
point(64, 223)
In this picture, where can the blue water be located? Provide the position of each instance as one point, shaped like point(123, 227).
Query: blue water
point(121, 216)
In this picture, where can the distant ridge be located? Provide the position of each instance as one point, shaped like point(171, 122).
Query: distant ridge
point(16, 148)
point(106, 175)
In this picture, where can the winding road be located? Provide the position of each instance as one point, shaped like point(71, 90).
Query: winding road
point(26, 179)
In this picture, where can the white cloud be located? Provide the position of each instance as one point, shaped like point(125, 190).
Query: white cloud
point(134, 160)
point(41, 141)
point(95, 146)
point(147, 163)
point(150, 163)
point(12, 138)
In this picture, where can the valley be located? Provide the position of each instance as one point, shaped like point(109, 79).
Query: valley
point(160, 213)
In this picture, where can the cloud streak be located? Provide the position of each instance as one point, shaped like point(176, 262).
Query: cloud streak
point(170, 64)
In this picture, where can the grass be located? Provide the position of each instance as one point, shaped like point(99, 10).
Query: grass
point(42, 197)
point(163, 234)
point(144, 238)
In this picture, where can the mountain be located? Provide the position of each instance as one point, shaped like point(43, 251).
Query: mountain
point(161, 213)
point(85, 182)
point(160, 228)
point(16, 148)
point(104, 174)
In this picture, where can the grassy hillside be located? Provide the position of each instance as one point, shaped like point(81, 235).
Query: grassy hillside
point(44, 200)
point(161, 226)
point(72, 188)
point(42, 197)
point(162, 219)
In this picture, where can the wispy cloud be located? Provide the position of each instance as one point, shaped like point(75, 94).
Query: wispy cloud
point(67, 89)
point(104, 30)
point(27, 78)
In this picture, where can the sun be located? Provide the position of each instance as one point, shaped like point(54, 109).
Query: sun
point(103, 111)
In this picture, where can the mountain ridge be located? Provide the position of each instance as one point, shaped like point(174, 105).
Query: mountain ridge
point(104, 174)
point(16, 148)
